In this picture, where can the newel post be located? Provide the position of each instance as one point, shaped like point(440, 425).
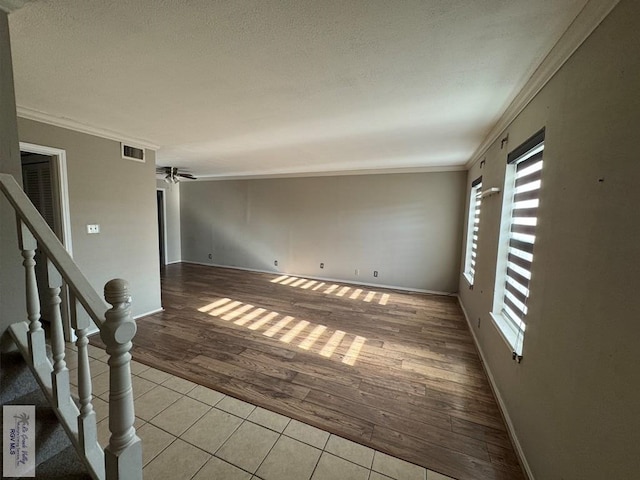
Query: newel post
point(123, 455)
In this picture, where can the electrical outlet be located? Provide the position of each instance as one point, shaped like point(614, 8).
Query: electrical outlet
point(275, 262)
point(357, 272)
point(322, 265)
point(210, 256)
point(375, 273)
point(478, 322)
point(93, 228)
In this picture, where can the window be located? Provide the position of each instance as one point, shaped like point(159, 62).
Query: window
point(522, 187)
point(472, 230)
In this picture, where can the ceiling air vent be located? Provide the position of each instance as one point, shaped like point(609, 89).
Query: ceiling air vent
point(129, 152)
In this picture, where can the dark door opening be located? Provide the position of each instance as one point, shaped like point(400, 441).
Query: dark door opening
point(38, 182)
point(161, 246)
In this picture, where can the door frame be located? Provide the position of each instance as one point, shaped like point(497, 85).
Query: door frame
point(59, 157)
point(59, 165)
point(164, 222)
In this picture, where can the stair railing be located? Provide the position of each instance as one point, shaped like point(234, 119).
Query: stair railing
point(122, 458)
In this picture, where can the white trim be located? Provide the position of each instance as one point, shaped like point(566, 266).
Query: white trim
point(505, 329)
point(32, 114)
point(157, 310)
point(176, 261)
point(490, 191)
point(164, 221)
point(468, 278)
point(11, 5)
point(59, 157)
point(326, 279)
point(332, 173)
point(496, 392)
point(593, 13)
point(60, 162)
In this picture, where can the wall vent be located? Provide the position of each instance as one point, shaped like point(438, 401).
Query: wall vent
point(129, 152)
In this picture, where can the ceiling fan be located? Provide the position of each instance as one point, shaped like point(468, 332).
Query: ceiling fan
point(173, 174)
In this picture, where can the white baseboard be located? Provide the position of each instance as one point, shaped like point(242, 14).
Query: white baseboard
point(501, 404)
point(157, 310)
point(325, 279)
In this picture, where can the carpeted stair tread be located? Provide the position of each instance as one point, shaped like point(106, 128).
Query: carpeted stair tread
point(65, 465)
point(55, 456)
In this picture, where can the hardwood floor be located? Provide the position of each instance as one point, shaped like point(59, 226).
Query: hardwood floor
point(392, 370)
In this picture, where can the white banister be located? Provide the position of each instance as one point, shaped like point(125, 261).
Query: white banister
point(49, 244)
point(122, 459)
point(123, 455)
point(87, 426)
point(60, 374)
point(28, 245)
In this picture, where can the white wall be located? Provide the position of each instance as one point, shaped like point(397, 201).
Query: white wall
point(117, 194)
point(405, 226)
point(575, 399)
point(172, 218)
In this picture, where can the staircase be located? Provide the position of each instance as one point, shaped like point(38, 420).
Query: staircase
point(56, 458)
point(38, 373)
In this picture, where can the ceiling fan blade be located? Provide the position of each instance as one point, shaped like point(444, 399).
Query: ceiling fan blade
point(187, 175)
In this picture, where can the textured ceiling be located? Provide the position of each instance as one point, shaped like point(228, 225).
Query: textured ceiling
point(289, 86)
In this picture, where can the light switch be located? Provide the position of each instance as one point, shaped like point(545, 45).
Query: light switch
point(93, 228)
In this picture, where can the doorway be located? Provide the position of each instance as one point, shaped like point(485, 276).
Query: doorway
point(44, 174)
point(162, 226)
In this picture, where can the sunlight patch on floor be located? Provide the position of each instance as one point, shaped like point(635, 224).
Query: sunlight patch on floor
point(213, 305)
point(337, 290)
point(293, 333)
point(263, 321)
point(315, 334)
point(331, 289)
point(237, 312)
point(332, 344)
point(354, 351)
point(307, 335)
point(225, 308)
point(278, 326)
point(250, 316)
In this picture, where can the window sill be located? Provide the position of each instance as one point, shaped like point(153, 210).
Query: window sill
point(468, 278)
point(507, 332)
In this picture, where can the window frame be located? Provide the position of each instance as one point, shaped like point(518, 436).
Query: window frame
point(473, 228)
point(513, 329)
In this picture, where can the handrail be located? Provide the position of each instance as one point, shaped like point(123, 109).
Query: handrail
point(83, 291)
point(122, 457)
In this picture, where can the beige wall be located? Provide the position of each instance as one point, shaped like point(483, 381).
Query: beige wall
point(12, 303)
point(574, 400)
point(117, 194)
point(405, 226)
point(172, 217)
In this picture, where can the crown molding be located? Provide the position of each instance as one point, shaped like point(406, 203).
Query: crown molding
point(332, 173)
point(11, 5)
point(38, 116)
point(591, 15)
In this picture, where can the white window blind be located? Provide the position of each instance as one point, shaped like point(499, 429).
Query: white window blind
point(475, 202)
point(522, 236)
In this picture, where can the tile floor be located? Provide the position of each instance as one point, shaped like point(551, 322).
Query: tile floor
point(192, 432)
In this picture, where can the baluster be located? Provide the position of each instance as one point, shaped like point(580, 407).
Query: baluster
point(87, 430)
point(28, 245)
point(60, 374)
point(123, 455)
